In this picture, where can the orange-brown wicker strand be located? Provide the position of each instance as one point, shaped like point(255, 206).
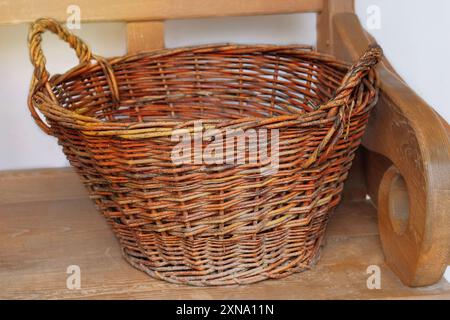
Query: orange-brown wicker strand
point(208, 224)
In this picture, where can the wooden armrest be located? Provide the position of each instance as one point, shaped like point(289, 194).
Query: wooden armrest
point(413, 196)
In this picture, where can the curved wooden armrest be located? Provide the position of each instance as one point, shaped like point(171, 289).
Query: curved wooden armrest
point(413, 197)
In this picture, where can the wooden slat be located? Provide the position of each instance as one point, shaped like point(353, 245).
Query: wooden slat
point(355, 186)
point(145, 36)
point(19, 11)
point(407, 131)
point(41, 239)
point(40, 185)
point(325, 42)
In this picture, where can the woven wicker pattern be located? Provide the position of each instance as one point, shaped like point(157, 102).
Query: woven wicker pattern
point(208, 224)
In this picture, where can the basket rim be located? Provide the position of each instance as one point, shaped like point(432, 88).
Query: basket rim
point(52, 109)
point(298, 50)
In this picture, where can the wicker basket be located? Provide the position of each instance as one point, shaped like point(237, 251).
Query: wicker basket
point(193, 221)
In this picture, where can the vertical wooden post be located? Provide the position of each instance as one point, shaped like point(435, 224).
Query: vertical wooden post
point(145, 36)
point(325, 41)
point(355, 186)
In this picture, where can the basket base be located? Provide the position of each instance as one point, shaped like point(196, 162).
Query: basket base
point(295, 265)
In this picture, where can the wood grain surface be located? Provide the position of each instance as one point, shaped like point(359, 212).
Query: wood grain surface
point(325, 34)
point(145, 36)
point(20, 11)
point(40, 239)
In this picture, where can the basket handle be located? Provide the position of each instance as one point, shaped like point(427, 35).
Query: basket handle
point(41, 76)
point(34, 43)
point(370, 58)
point(338, 105)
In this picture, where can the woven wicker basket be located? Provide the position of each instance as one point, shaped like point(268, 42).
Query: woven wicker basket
point(205, 223)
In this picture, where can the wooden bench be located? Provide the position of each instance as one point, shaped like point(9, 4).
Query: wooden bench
point(404, 168)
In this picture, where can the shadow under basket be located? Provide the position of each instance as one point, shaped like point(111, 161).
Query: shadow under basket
point(214, 165)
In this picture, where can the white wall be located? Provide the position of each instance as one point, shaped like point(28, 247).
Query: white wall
point(414, 35)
